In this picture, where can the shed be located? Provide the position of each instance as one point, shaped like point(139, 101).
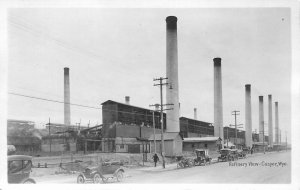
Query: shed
point(172, 142)
point(210, 143)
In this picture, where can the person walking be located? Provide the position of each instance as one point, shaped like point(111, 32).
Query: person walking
point(155, 159)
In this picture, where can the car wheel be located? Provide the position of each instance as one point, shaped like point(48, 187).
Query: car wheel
point(97, 178)
point(80, 179)
point(29, 181)
point(120, 176)
point(191, 163)
point(104, 180)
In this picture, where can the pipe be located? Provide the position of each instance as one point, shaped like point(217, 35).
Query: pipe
point(67, 109)
point(270, 121)
point(261, 118)
point(218, 104)
point(172, 92)
point(276, 124)
point(248, 116)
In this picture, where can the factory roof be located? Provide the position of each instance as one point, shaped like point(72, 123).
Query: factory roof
point(111, 101)
point(167, 136)
point(185, 118)
point(201, 139)
point(261, 143)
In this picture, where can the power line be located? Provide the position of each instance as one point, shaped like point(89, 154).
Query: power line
point(49, 100)
point(98, 108)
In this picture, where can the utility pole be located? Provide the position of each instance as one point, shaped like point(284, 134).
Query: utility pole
point(235, 113)
point(280, 136)
point(49, 134)
point(153, 117)
point(286, 145)
point(162, 117)
point(227, 136)
point(236, 127)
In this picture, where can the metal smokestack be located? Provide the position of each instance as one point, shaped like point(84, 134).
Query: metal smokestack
point(67, 109)
point(127, 100)
point(195, 113)
point(218, 104)
point(248, 116)
point(172, 75)
point(276, 124)
point(270, 121)
point(261, 118)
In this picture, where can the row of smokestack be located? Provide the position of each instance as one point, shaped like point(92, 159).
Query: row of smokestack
point(270, 121)
point(218, 111)
point(172, 93)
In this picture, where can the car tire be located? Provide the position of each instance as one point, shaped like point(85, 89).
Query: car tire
point(80, 179)
point(29, 181)
point(120, 176)
point(97, 178)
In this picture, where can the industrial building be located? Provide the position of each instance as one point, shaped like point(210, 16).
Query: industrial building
point(128, 128)
point(23, 135)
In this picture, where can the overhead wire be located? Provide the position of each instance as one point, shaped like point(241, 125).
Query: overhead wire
point(98, 108)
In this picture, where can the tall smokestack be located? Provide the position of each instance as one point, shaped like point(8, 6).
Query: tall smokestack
point(270, 122)
point(276, 124)
point(195, 113)
point(248, 116)
point(261, 118)
point(67, 109)
point(172, 75)
point(218, 104)
point(127, 100)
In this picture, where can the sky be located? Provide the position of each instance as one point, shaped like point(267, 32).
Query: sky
point(113, 53)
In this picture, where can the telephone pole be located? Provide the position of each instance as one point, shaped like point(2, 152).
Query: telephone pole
point(286, 145)
point(49, 135)
point(162, 117)
point(235, 113)
point(153, 117)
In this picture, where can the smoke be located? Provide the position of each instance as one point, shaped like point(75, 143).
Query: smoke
point(37, 134)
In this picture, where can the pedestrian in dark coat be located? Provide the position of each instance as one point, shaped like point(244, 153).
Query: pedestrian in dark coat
point(155, 159)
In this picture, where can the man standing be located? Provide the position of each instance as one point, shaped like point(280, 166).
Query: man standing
point(155, 159)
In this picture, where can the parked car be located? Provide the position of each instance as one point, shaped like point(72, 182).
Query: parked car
point(247, 150)
point(19, 168)
point(227, 155)
point(202, 157)
point(242, 153)
point(102, 172)
point(235, 154)
point(185, 162)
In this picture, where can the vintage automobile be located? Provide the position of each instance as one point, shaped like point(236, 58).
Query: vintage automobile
point(102, 172)
point(202, 157)
point(227, 155)
point(184, 162)
point(242, 153)
point(19, 168)
point(235, 154)
point(246, 150)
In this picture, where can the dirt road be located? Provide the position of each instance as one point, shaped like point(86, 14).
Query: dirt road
point(259, 169)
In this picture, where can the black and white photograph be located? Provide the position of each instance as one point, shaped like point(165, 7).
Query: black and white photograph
point(141, 94)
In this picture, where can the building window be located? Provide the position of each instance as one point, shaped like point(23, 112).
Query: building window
point(121, 146)
point(205, 145)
